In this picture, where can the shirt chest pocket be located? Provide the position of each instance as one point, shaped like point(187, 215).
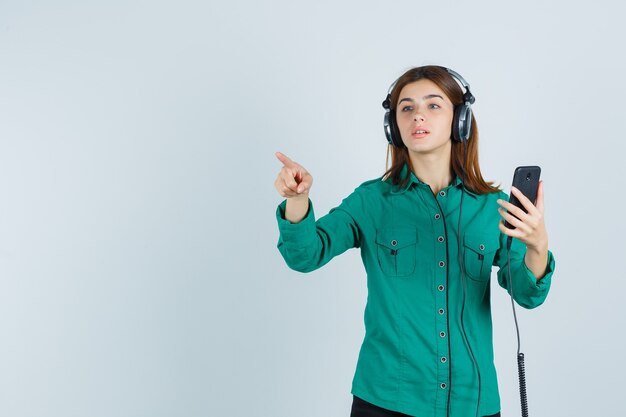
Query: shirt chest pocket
point(396, 251)
point(480, 249)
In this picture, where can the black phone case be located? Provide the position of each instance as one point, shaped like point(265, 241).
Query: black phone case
point(525, 179)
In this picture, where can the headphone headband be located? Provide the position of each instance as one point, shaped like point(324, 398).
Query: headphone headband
point(468, 96)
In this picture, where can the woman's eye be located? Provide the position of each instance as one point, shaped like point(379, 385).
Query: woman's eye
point(434, 106)
point(407, 108)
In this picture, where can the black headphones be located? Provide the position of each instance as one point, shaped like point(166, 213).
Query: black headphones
point(461, 123)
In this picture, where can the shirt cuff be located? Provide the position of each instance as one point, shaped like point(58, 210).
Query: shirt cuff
point(299, 232)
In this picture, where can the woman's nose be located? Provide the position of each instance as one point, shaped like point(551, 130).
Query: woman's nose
point(418, 116)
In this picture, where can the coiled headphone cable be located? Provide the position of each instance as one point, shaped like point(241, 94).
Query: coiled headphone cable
point(521, 371)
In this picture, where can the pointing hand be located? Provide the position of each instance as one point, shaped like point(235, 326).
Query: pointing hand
point(293, 180)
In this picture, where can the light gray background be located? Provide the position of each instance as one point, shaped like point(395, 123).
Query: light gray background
point(138, 268)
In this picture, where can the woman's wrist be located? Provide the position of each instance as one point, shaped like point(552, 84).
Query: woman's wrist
point(297, 208)
point(538, 249)
point(536, 260)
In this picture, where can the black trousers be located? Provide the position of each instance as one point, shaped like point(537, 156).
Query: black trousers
point(361, 408)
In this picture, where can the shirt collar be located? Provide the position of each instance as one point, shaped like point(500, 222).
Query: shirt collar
point(414, 181)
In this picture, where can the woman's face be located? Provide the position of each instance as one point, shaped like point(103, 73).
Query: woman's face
point(424, 115)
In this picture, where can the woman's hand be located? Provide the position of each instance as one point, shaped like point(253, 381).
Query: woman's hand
point(293, 180)
point(529, 228)
point(294, 183)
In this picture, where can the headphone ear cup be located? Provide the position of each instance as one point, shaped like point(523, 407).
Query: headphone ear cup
point(395, 132)
point(391, 129)
point(388, 128)
point(462, 122)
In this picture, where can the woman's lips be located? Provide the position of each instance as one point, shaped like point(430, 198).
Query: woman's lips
point(420, 133)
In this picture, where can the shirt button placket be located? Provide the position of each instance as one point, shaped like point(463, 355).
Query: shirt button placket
point(442, 308)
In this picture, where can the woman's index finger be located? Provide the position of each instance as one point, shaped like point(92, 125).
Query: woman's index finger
point(285, 159)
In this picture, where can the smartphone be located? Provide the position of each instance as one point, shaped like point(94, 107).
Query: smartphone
point(525, 179)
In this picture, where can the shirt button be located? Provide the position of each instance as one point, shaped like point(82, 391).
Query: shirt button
point(441, 311)
point(482, 247)
point(442, 334)
point(443, 385)
point(437, 216)
point(442, 193)
point(442, 264)
point(440, 238)
point(443, 359)
point(440, 288)
point(394, 242)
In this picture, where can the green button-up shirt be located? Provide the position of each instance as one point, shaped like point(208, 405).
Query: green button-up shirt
point(415, 358)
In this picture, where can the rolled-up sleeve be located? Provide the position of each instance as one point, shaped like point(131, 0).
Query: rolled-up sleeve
point(528, 291)
point(310, 244)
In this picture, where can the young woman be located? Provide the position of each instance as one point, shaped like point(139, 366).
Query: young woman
point(429, 231)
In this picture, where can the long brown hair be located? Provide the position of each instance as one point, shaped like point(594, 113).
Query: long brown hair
point(473, 179)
